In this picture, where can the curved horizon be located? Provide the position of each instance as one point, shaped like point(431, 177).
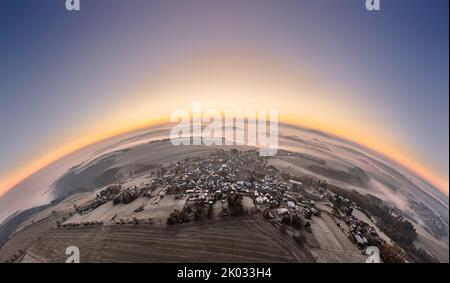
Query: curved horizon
point(74, 79)
point(160, 122)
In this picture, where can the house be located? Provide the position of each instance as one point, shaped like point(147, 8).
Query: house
point(282, 211)
point(291, 205)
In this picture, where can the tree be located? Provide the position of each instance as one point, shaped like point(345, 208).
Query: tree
point(235, 204)
point(391, 254)
point(210, 213)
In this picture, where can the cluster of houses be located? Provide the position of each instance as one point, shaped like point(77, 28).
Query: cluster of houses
point(90, 206)
point(359, 231)
point(114, 193)
point(101, 198)
point(204, 181)
point(364, 234)
point(233, 175)
point(126, 196)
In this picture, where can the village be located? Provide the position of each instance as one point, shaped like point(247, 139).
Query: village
point(227, 184)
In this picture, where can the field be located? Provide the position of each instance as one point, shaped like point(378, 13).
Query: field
point(230, 239)
point(24, 238)
point(156, 210)
point(334, 246)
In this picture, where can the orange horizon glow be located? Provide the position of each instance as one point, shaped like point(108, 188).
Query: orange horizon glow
point(38, 164)
point(385, 149)
point(213, 77)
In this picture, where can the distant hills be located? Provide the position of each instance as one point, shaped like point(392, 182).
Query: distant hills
point(10, 225)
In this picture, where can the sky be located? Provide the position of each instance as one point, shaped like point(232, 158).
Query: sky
point(68, 79)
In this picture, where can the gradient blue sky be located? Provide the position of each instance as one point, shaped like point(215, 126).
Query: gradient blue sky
point(64, 75)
